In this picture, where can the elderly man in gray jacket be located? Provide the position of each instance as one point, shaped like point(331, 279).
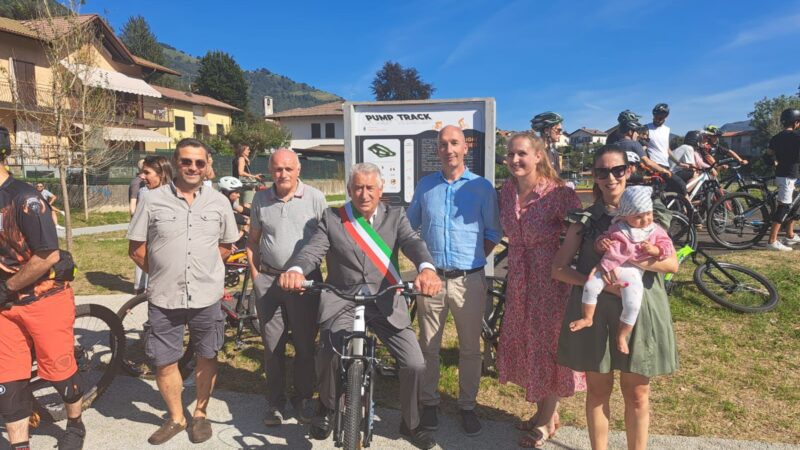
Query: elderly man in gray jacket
point(351, 270)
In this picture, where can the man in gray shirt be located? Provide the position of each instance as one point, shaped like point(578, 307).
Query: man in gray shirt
point(180, 234)
point(283, 218)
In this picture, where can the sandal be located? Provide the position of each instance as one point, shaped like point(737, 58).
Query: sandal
point(530, 424)
point(534, 439)
point(527, 425)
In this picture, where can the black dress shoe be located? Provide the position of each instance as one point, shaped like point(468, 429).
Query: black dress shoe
point(322, 423)
point(419, 437)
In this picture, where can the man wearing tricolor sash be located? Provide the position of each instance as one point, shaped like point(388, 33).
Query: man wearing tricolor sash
point(360, 242)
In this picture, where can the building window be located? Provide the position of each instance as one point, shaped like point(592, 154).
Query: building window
point(330, 131)
point(180, 123)
point(220, 129)
point(315, 131)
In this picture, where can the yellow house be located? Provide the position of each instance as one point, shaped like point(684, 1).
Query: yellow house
point(26, 86)
point(192, 115)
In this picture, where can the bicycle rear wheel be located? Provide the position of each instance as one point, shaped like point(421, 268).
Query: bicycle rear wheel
point(736, 287)
point(353, 406)
point(136, 327)
point(738, 221)
point(676, 203)
point(682, 231)
point(99, 345)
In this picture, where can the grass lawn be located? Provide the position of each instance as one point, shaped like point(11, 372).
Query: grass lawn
point(739, 374)
point(335, 197)
point(97, 218)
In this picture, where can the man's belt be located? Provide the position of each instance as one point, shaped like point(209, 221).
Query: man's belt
point(449, 274)
point(269, 270)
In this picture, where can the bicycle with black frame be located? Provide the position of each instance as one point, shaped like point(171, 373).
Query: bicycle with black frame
point(354, 406)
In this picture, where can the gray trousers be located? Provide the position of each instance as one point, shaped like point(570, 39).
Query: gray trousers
point(402, 345)
point(278, 313)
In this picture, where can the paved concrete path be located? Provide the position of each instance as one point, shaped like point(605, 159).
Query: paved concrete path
point(95, 230)
point(132, 409)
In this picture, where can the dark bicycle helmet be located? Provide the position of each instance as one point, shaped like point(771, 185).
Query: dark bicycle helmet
point(545, 120)
point(661, 108)
point(627, 116)
point(713, 130)
point(789, 116)
point(692, 138)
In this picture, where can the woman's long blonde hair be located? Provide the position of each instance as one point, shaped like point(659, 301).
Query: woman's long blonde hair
point(543, 168)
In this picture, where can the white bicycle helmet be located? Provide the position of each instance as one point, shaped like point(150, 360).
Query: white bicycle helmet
point(633, 158)
point(229, 184)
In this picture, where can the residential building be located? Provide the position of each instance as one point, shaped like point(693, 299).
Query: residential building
point(191, 115)
point(584, 137)
point(738, 136)
point(316, 131)
point(26, 91)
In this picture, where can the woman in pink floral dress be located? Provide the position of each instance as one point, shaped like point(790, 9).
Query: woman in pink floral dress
point(533, 206)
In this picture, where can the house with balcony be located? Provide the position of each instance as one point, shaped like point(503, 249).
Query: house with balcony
point(317, 131)
point(585, 137)
point(26, 87)
point(738, 136)
point(191, 115)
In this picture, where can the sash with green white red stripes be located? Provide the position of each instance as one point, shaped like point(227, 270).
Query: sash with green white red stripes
point(370, 242)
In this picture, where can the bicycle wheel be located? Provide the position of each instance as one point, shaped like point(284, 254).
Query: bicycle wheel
point(682, 231)
point(738, 221)
point(490, 327)
point(99, 346)
point(736, 287)
point(135, 326)
point(676, 203)
point(353, 405)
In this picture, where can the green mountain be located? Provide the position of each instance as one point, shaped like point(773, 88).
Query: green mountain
point(286, 93)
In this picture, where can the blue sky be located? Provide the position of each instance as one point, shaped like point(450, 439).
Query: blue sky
point(588, 60)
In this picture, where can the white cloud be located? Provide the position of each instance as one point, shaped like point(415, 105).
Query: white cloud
point(771, 28)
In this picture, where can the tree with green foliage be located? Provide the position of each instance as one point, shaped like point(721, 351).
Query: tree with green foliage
point(393, 82)
point(30, 9)
point(220, 77)
point(136, 35)
point(765, 117)
point(259, 135)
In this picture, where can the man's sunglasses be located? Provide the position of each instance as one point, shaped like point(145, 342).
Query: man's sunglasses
point(186, 162)
point(601, 173)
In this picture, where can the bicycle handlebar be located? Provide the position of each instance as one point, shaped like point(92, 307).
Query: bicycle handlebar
point(407, 288)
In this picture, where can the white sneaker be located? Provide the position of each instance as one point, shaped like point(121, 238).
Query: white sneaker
point(791, 241)
point(779, 247)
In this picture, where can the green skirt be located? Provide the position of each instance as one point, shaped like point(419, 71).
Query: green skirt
point(652, 346)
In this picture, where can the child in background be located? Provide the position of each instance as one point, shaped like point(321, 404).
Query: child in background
point(633, 237)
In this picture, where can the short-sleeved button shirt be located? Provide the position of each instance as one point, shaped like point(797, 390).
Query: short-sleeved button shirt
point(285, 226)
point(183, 259)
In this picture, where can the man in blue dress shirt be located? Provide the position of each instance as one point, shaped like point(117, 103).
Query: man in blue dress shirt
point(457, 215)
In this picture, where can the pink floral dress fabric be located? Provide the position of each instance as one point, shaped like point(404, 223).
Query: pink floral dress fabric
point(535, 302)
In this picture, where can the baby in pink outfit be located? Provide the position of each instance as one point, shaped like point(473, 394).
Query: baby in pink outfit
point(634, 237)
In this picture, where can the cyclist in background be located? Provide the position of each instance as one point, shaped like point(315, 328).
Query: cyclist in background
point(50, 198)
point(231, 188)
point(785, 146)
point(37, 310)
point(549, 126)
point(658, 149)
point(712, 134)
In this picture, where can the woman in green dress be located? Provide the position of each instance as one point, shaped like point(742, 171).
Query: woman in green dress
point(592, 350)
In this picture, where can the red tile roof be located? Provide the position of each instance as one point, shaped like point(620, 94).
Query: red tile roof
point(327, 109)
point(196, 99)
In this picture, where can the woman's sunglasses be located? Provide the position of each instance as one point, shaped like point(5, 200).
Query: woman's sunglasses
point(601, 173)
point(186, 162)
